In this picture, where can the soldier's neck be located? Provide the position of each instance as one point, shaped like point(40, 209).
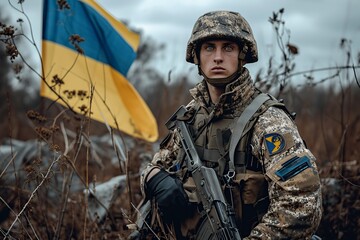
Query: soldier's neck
point(215, 93)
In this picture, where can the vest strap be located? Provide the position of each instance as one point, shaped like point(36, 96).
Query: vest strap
point(239, 127)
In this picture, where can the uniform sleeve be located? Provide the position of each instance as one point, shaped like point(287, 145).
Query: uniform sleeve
point(170, 155)
point(165, 158)
point(293, 181)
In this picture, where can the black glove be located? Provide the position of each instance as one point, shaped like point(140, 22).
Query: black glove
point(170, 196)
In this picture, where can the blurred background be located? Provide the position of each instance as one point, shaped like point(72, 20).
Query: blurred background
point(59, 171)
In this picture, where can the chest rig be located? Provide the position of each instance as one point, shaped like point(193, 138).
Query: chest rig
point(224, 143)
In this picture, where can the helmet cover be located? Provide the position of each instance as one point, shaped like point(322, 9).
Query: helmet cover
point(222, 25)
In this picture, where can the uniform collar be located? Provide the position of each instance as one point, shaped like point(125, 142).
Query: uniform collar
point(237, 94)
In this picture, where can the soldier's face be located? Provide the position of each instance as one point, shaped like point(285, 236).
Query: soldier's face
point(219, 58)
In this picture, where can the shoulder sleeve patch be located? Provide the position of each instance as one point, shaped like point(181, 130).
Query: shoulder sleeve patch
point(275, 143)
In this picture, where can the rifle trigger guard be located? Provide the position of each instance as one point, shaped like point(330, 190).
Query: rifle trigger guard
point(229, 176)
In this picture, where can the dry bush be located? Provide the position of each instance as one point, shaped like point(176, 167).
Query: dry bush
point(45, 197)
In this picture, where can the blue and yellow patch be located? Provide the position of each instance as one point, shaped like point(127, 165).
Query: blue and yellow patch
point(275, 143)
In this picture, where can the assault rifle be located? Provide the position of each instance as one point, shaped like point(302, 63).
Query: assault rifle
point(219, 222)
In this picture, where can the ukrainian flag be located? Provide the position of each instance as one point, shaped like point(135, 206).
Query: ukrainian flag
point(86, 50)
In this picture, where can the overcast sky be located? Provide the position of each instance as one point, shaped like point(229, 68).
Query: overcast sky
point(316, 26)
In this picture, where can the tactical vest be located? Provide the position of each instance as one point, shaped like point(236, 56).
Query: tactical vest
point(248, 194)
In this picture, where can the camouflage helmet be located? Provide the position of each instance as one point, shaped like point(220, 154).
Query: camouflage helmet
point(226, 25)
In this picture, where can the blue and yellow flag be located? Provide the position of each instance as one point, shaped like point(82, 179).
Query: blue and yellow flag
point(86, 56)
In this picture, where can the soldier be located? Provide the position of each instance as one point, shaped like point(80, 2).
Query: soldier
point(267, 173)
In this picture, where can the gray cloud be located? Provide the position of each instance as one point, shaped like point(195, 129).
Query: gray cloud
point(316, 26)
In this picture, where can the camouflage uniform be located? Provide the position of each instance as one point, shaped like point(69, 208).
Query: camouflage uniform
point(268, 205)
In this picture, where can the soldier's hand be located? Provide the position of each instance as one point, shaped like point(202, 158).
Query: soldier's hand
point(169, 195)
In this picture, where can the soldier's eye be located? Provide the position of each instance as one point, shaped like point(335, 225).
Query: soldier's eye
point(229, 48)
point(209, 48)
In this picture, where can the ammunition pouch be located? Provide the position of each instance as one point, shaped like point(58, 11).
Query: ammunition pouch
point(250, 199)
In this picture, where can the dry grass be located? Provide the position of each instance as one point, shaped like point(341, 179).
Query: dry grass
point(42, 197)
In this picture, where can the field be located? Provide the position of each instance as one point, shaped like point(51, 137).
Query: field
point(66, 176)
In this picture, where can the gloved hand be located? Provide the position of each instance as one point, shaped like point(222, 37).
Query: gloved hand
point(170, 196)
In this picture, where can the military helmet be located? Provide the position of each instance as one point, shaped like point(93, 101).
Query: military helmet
point(226, 25)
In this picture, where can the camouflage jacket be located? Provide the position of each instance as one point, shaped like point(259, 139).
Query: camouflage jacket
point(294, 209)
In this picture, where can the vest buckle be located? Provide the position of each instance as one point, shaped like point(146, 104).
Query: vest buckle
point(229, 176)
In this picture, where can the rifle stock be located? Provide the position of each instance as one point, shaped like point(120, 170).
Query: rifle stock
point(220, 216)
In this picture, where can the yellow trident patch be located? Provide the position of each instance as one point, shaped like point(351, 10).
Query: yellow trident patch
point(275, 143)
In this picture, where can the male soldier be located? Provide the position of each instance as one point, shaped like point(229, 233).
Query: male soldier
point(268, 176)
